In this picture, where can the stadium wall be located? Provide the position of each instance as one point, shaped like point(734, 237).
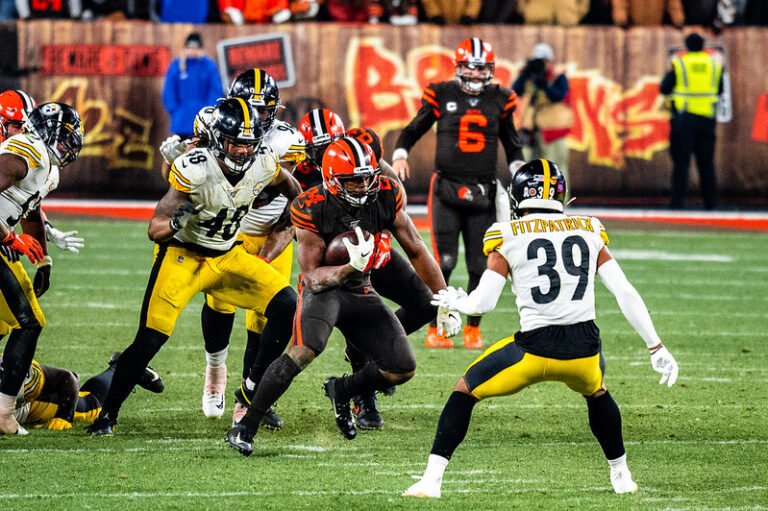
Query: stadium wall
point(373, 76)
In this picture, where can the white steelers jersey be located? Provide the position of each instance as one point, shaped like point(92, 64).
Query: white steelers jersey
point(19, 199)
point(197, 173)
point(552, 261)
point(288, 143)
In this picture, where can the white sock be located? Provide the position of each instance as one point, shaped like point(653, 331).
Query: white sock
point(218, 358)
point(249, 385)
point(435, 468)
point(7, 404)
point(619, 463)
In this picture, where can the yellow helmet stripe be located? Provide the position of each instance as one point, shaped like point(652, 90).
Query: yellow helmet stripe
point(246, 116)
point(547, 177)
point(256, 81)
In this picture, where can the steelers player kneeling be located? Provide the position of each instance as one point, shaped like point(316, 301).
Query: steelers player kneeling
point(553, 260)
point(195, 226)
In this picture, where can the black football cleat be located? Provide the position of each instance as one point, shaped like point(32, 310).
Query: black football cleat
point(102, 426)
point(389, 391)
point(150, 380)
point(366, 410)
point(244, 396)
point(272, 420)
point(240, 440)
point(341, 409)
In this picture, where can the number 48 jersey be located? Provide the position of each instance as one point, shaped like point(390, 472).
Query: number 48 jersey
point(552, 261)
point(198, 174)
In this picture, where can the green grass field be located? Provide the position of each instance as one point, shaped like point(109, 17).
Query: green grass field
point(701, 445)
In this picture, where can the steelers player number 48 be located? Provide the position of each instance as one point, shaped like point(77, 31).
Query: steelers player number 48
point(223, 225)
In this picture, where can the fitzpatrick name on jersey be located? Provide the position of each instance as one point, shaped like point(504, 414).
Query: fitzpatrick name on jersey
point(197, 173)
point(552, 261)
point(289, 145)
point(18, 200)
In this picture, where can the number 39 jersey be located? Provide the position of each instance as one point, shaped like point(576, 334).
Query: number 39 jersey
point(197, 173)
point(19, 199)
point(552, 261)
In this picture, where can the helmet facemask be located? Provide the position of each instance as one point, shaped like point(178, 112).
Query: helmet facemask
point(59, 127)
point(474, 77)
point(357, 198)
point(235, 124)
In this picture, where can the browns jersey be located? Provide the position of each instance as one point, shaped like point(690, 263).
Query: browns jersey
point(318, 211)
point(469, 129)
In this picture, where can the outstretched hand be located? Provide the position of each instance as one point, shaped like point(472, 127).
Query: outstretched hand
point(664, 363)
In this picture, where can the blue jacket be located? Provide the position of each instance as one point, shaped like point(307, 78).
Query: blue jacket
point(186, 11)
point(184, 94)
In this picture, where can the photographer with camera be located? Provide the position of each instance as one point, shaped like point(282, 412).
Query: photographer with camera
point(545, 116)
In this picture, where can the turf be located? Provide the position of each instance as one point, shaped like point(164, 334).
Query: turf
point(701, 445)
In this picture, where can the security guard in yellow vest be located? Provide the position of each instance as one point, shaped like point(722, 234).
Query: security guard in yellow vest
point(693, 84)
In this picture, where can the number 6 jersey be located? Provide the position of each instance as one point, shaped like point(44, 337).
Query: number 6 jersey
point(552, 261)
point(198, 174)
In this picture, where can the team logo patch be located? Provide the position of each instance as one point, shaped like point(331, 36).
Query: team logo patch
point(451, 106)
point(473, 102)
point(50, 109)
point(257, 189)
point(465, 193)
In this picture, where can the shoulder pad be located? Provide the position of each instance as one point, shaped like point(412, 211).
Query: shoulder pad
point(188, 170)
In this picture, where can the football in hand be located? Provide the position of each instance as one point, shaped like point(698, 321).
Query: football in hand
point(336, 253)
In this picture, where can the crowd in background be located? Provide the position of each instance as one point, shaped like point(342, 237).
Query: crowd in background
point(624, 13)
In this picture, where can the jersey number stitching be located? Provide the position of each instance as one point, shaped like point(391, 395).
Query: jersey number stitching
point(472, 141)
point(547, 269)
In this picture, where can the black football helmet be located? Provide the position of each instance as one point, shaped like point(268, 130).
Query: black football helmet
point(59, 126)
point(234, 122)
point(538, 184)
point(258, 88)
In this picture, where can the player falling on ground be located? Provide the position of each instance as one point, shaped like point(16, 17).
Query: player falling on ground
point(195, 226)
point(353, 196)
point(552, 259)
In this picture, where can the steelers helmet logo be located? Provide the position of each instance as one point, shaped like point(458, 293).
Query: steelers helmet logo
point(50, 108)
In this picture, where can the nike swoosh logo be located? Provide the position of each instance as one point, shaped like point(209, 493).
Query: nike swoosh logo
point(220, 406)
point(365, 254)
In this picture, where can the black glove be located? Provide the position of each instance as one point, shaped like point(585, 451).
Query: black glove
point(42, 279)
point(466, 20)
point(437, 20)
point(183, 215)
point(11, 255)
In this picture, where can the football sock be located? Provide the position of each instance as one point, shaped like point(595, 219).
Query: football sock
point(453, 424)
point(473, 320)
point(276, 381)
point(253, 341)
point(216, 359)
point(435, 468)
point(618, 463)
point(362, 382)
point(356, 359)
point(19, 351)
point(7, 404)
point(605, 422)
point(217, 327)
point(99, 385)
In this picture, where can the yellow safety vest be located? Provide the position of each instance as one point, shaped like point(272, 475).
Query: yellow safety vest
point(697, 82)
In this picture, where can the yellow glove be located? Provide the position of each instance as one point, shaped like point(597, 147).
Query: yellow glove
point(57, 424)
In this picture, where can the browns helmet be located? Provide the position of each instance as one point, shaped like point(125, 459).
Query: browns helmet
point(320, 127)
point(348, 159)
point(474, 54)
point(15, 107)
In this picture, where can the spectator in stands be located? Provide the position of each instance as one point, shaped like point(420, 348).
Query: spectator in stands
point(694, 84)
point(499, 11)
point(553, 12)
point(191, 82)
point(189, 11)
point(238, 12)
point(49, 10)
point(546, 117)
point(599, 13)
point(352, 11)
point(399, 12)
point(451, 12)
point(8, 10)
point(647, 12)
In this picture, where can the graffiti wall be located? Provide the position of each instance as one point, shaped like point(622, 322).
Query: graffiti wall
point(373, 76)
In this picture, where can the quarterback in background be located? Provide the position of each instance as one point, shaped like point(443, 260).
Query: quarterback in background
point(553, 260)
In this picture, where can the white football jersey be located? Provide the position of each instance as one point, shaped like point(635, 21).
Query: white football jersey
point(198, 174)
point(289, 145)
point(19, 199)
point(552, 261)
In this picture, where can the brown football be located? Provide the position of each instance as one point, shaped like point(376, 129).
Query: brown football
point(336, 253)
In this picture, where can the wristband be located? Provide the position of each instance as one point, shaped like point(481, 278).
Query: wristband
point(45, 261)
point(656, 348)
point(400, 154)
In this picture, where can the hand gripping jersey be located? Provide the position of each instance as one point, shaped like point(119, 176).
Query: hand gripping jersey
point(318, 211)
point(552, 261)
point(198, 174)
point(19, 199)
point(469, 129)
point(289, 145)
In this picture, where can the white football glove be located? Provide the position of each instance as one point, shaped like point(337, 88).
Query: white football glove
point(448, 297)
point(173, 147)
point(448, 322)
point(64, 240)
point(360, 255)
point(663, 362)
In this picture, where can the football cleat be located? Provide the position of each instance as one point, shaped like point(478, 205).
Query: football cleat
point(437, 341)
point(622, 482)
point(10, 426)
point(102, 426)
point(213, 391)
point(150, 380)
point(366, 411)
point(272, 420)
point(389, 391)
point(240, 440)
point(341, 410)
point(473, 339)
point(423, 488)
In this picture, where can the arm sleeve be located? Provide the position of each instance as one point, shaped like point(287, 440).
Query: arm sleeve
point(667, 83)
point(510, 140)
point(485, 296)
point(629, 300)
point(425, 118)
point(558, 89)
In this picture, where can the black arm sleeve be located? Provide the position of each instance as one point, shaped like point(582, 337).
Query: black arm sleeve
point(420, 124)
point(667, 83)
point(510, 140)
